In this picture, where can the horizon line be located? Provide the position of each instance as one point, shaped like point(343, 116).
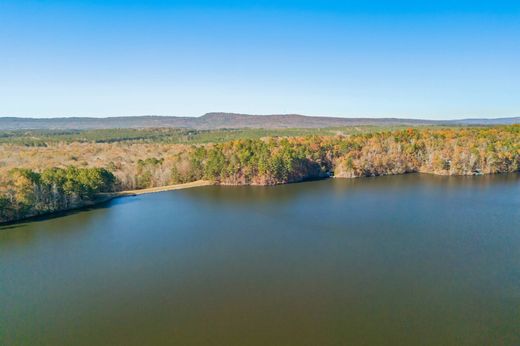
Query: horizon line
point(35, 117)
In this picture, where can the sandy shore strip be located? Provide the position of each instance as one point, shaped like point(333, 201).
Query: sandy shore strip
point(163, 188)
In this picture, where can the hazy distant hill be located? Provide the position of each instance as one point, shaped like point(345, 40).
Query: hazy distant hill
point(496, 121)
point(226, 120)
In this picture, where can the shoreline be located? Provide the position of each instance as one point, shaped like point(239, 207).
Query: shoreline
point(107, 197)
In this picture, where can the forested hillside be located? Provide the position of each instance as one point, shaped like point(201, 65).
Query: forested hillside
point(40, 179)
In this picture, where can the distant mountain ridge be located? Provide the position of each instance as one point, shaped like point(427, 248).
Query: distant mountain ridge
point(217, 120)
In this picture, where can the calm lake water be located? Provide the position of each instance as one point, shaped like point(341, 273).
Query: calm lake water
point(403, 260)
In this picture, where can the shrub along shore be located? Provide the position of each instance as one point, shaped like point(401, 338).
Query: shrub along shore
point(26, 192)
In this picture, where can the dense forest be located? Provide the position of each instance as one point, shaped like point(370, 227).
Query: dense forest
point(278, 161)
point(57, 176)
point(29, 193)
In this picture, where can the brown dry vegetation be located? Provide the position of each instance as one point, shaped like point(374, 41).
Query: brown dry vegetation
point(121, 158)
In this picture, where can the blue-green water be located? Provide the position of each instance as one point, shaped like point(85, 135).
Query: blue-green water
point(402, 260)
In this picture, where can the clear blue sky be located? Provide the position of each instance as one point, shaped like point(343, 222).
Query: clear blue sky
point(422, 59)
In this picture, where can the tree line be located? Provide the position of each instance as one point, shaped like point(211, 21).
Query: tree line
point(278, 161)
point(29, 193)
point(268, 161)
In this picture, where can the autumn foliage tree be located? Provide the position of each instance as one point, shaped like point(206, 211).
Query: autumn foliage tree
point(26, 191)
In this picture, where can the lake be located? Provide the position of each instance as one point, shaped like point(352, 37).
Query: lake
point(401, 260)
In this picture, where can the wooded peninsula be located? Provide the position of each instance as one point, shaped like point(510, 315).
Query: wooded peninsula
point(53, 171)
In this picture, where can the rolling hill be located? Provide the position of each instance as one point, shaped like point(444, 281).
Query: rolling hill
point(211, 121)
